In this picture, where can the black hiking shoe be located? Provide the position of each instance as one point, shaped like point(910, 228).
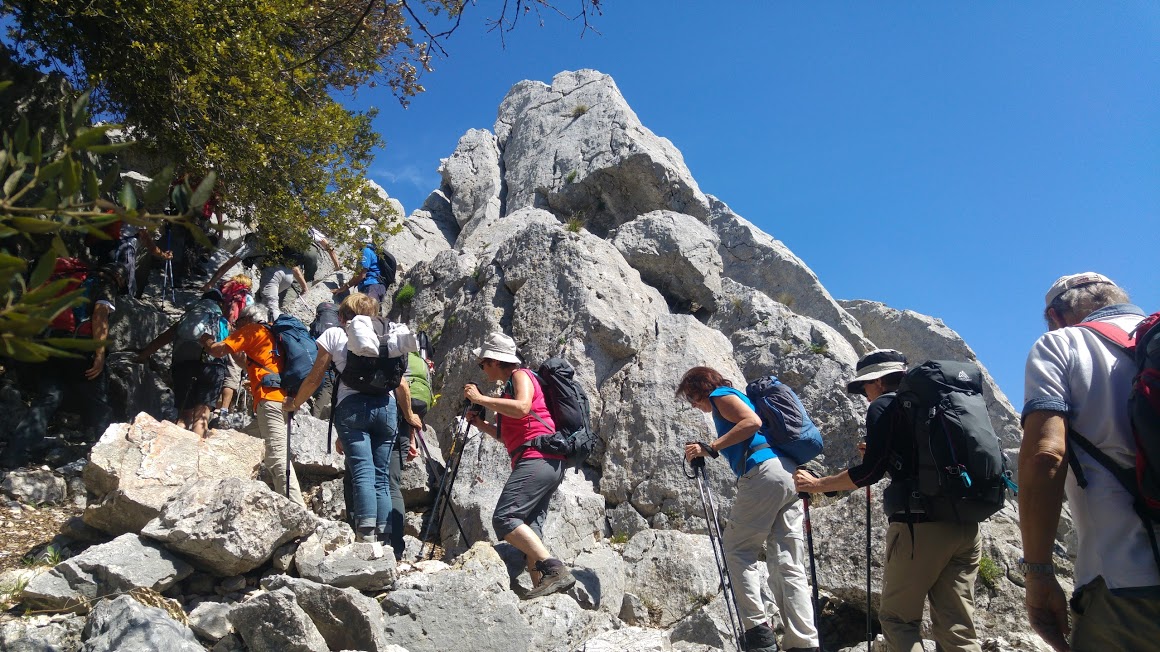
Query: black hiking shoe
point(556, 577)
point(761, 639)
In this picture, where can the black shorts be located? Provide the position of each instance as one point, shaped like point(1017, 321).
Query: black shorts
point(525, 497)
point(197, 383)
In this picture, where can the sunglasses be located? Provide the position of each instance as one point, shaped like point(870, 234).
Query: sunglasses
point(480, 364)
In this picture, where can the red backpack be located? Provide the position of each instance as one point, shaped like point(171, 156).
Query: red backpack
point(75, 320)
point(234, 294)
point(1143, 346)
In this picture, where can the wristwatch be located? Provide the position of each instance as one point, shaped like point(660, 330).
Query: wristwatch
point(1036, 569)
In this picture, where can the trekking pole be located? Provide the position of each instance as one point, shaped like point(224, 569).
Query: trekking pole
point(715, 539)
point(808, 527)
point(447, 482)
point(289, 469)
point(869, 535)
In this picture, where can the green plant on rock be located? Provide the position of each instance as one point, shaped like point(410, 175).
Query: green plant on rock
point(571, 177)
point(619, 537)
point(405, 295)
point(990, 572)
point(819, 348)
point(574, 224)
point(579, 110)
point(785, 299)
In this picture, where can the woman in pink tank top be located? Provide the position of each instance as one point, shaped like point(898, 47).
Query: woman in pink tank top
point(521, 416)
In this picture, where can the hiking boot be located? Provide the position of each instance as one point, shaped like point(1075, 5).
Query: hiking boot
point(761, 639)
point(556, 577)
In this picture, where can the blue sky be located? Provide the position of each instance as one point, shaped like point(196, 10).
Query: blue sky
point(949, 158)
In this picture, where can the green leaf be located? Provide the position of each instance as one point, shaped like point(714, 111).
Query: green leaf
point(92, 184)
point(110, 148)
point(80, 109)
point(8, 260)
point(35, 150)
point(155, 191)
point(111, 179)
point(88, 137)
point(20, 138)
point(128, 198)
point(70, 180)
point(34, 225)
point(203, 192)
point(43, 269)
point(52, 170)
point(53, 290)
point(11, 181)
point(58, 246)
point(76, 343)
point(4, 85)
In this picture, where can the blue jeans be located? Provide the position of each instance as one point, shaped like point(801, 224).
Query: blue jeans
point(366, 426)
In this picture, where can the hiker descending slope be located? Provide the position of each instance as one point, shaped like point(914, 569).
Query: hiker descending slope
point(766, 511)
point(521, 415)
point(933, 546)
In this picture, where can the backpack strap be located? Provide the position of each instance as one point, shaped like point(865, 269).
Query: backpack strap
point(750, 449)
point(509, 385)
point(333, 404)
point(1110, 332)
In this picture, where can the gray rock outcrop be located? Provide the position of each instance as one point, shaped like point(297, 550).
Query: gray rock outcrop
point(35, 486)
point(230, 526)
point(675, 253)
point(347, 619)
point(273, 622)
point(125, 625)
point(136, 467)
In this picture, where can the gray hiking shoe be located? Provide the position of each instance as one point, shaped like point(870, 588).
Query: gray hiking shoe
point(556, 578)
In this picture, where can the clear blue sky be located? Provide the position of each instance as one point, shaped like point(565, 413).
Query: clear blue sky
point(949, 158)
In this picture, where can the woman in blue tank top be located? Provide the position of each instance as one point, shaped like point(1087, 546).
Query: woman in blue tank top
point(765, 511)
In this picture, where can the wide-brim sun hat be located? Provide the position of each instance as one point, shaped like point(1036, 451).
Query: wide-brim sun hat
point(874, 365)
point(497, 346)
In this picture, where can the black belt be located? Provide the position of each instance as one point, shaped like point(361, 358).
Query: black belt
point(908, 518)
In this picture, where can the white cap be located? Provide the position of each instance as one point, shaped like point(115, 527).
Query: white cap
point(1065, 283)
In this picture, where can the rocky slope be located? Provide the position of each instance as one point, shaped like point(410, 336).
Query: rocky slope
point(578, 231)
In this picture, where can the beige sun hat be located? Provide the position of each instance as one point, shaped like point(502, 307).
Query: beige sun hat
point(874, 365)
point(498, 346)
point(1071, 281)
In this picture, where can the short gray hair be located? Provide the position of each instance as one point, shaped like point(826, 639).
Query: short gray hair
point(1077, 303)
point(255, 313)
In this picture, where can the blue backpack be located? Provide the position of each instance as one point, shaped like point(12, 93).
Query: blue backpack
point(293, 344)
point(784, 421)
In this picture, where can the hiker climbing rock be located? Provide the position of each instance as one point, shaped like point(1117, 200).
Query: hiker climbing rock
point(765, 512)
point(521, 415)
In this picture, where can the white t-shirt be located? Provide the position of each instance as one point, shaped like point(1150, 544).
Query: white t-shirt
point(1073, 371)
point(333, 341)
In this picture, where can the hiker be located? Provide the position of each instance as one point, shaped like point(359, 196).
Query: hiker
point(120, 247)
point(766, 511)
point(925, 558)
point(83, 380)
point(367, 430)
point(278, 272)
point(197, 378)
point(523, 504)
point(1077, 386)
point(253, 338)
point(319, 246)
point(374, 273)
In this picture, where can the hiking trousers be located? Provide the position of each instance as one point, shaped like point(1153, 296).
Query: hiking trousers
point(940, 563)
point(767, 511)
point(272, 426)
point(1128, 619)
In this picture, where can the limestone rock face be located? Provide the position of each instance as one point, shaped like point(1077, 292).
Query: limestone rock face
point(347, 619)
point(675, 253)
point(308, 448)
point(35, 486)
point(471, 177)
point(230, 526)
point(273, 622)
point(42, 633)
point(136, 467)
point(603, 168)
point(125, 563)
point(467, 602)
point(923, 338)
point(125, 625)
point(754, 258)
point(673, 573)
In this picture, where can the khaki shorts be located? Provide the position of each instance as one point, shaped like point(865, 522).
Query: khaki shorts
point(233, 378)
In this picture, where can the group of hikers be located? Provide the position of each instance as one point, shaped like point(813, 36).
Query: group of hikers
point(1092, 405)
point(926, 427)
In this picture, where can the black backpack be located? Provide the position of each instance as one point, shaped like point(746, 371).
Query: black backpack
point(568, 405)
point(388, 266)
point(325, 316)
point(378, 375)
point(961, 472)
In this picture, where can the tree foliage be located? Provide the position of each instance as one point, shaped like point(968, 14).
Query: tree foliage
point(59, 186)
point(251, 90)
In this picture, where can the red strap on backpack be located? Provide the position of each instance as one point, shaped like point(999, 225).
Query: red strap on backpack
point(1113, 334)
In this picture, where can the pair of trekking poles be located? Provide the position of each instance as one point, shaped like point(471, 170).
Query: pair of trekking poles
point(442, 503)
point(716, 539)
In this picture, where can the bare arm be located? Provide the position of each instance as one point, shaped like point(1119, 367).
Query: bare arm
point(517, 407)
point(1042, 472)
point(158, 342)
point(804, 482)
point(217, 275)
point(403, 400)
point(298, 276)
point(101, 333)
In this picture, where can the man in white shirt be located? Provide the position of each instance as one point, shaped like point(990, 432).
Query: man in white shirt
point(1078, 381)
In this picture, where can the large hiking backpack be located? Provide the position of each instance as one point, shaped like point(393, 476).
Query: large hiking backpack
point(325, 316)
point(568, 404)
point(784, 422)
point(204, 316)
point(388, 266)
point(297, 350)
point(381, 374)
point(1143, 481)
point(75, 320)
point(961, 472)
